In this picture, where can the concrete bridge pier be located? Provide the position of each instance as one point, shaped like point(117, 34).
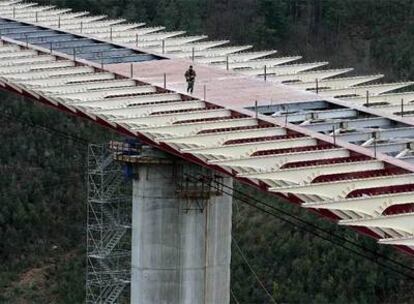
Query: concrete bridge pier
point(181, 234)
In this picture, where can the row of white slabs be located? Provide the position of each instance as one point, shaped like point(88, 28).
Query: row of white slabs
point(197, 128)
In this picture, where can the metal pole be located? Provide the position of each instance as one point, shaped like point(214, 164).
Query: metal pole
point(256, 109)
point(205, 92)
point(334, 134)
point(27, 40)
point(402, 107)
point(81, 26)
point(193, 53)
point(375, 144)
point(136, 40)
point(367, 99)
point(163, 47)
point(36, 17)
point(74, 54)
point(265, 73)
point(317, 85)
point(102, 63)
point(227, 62)
point(165, 80)
point(59, 22)
point(51, 47)
point(132, 70)
point(110, 33)
point(286, 115)
point(14, 11)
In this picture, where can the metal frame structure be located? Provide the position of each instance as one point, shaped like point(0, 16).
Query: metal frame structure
point(108, 224)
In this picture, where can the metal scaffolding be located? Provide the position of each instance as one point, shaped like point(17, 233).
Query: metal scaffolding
point(108, 228)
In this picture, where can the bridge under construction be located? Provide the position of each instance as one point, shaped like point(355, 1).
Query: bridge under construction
point(340, 146)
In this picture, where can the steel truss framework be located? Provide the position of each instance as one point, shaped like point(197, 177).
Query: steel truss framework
point(108, 224)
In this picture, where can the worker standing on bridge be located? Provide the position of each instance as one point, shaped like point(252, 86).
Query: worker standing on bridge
point(190, 76)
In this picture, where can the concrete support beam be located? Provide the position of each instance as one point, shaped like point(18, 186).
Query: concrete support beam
point(361, 90)
point(166, 119)
point(122, 104)
point(148, 109)
point(404, 241)
point(309, 76)
point(402, 222)
point(391, 99)
point(340, 189)
point(286, 69)
point(246, 149)
point(220, 138)
point(305, 175)
point(368, 205)
point(190, 129)
point(337, 83)
point(271, 162)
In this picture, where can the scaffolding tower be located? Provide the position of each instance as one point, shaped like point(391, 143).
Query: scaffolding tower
point(108, 229)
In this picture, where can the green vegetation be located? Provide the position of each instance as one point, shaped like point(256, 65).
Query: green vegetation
point(42, 184)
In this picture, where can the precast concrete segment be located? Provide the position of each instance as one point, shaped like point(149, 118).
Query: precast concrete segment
point(385, 134)
point(322, 115)
point(107, 93)
point(237, 57)
point(148, 109)
point(174, 41)
point(33, 67)
point(305, 175)
point(126, 102)
point(59, 81)
point(178, 255)
point(171, 119)
point(88, 87)
point(247, 149)
point(372, 205)
point(402, 222)
point(340, 189)
point(373, 90)
point(336, 83)
point(191, 129)
point(402, 241)
point(284, 69)
point(309, 76)
point(213, 52)
point(220, 138)
point(196, 46)
point(49, 73)
point(273, 162)
point(378, 100)
point(258, 63)
point(351, 124)
point(403, 109)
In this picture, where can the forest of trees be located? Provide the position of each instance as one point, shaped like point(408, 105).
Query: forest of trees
point(42, 172)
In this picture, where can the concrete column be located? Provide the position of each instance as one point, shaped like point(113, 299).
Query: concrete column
point(180, 252)
point(155, 236)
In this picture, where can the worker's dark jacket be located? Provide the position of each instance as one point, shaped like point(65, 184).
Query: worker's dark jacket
point(190, 75)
